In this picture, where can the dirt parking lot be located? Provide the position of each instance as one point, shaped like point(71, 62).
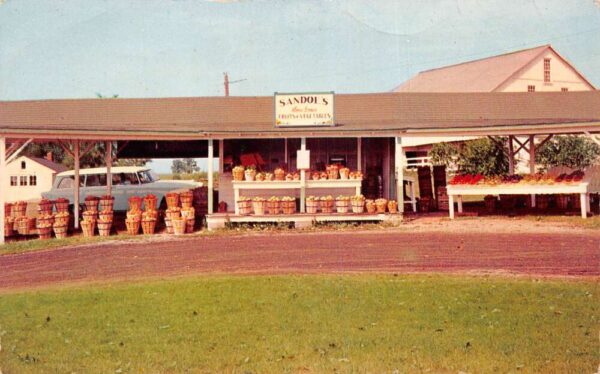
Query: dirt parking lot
point(536, 252)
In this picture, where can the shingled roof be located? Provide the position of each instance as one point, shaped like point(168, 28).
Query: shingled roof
point(483, 75)
point(380, 114)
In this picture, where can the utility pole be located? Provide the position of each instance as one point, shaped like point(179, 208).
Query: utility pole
point(226, 82)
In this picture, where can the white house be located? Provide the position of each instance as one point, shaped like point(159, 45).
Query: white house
point(538, 69)
point(29, 177)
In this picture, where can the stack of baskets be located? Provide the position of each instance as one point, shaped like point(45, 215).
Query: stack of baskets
point(62, 218)
point(150, 215)
point(21, 223)
point(188, 212)
point(133, 220)
point(106, 215)
point(90, 216)
point(9, 221)
point(180, 216)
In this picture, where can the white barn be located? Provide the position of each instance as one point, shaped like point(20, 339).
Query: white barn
point(539, 69)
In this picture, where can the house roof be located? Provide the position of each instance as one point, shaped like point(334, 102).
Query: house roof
point(483, 75)
point(57, 168)
point(379, 114)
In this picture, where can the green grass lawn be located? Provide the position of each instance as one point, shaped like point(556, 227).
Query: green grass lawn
point(353, 323)
point(27, 245)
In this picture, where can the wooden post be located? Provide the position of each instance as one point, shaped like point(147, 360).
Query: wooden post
point(3, 185)
point(210, 176)
point(532, 163)
point(359, 154)
point(76, 184)
point(387, 172)
point(109, 162)
point(221, 155)
point(511, 156)
point(302, 180)
point(583, 202)
point(399, 161)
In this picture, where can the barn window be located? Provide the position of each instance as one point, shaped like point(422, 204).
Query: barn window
point(531, 88)
point(23, 165)
point(546, 70)
point(14, 180)
point(23, 180)
point(33, 180)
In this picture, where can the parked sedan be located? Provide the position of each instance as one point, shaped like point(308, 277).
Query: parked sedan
point(127, 181)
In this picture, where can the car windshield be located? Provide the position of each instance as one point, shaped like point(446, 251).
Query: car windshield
point(147, 176)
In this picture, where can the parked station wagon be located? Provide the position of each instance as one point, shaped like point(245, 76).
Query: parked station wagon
point(127, 181)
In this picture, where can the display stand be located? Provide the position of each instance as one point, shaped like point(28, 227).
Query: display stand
point(458, 191)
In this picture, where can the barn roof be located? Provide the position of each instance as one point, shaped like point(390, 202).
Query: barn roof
point(483, 75)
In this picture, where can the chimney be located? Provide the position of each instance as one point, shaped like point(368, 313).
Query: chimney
point(49, 156)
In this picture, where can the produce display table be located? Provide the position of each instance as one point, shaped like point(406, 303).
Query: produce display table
point(356, 184)
point(459, 191)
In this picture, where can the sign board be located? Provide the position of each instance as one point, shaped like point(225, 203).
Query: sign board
point(303, 159)
point(304, 109)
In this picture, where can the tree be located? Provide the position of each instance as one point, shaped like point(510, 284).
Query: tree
point(483, 156)
point(184, 166)
point(443, 154)
point(573, 151)
point(480, 156)
point(132, 161)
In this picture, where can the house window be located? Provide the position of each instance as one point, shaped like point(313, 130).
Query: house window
point(33, 180)
point(564, 89)
point(23, 165)
point(13, 180)
point(547, 70)
point(23, 180)
point(531, 88)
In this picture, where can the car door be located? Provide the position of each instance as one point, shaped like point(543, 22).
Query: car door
point(129, 185)
point(95, 185)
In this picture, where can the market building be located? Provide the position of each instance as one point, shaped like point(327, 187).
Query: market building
point(364, 132)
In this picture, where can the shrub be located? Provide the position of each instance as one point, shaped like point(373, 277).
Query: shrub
point(483, 156)
point(569, 150)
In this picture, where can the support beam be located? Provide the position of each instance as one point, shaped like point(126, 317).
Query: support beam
point(399, 163)
point(532, 163)
point(210, 176)
point(109, 161)
point(121, 148)
point(544, 141)
point(87, 149)
point(594, 137)
point(65, 148)
point(359, 154)
point(3, 185)
point(15, 154)
point(221, 156)
point(521, 145)
point(511, 156)
point(498, 142)
point(302, 180)
point(76, 186)
point(13, 147)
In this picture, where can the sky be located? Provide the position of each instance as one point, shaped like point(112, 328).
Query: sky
point(52, 49)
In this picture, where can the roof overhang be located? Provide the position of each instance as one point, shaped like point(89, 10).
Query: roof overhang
point(357, 115)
